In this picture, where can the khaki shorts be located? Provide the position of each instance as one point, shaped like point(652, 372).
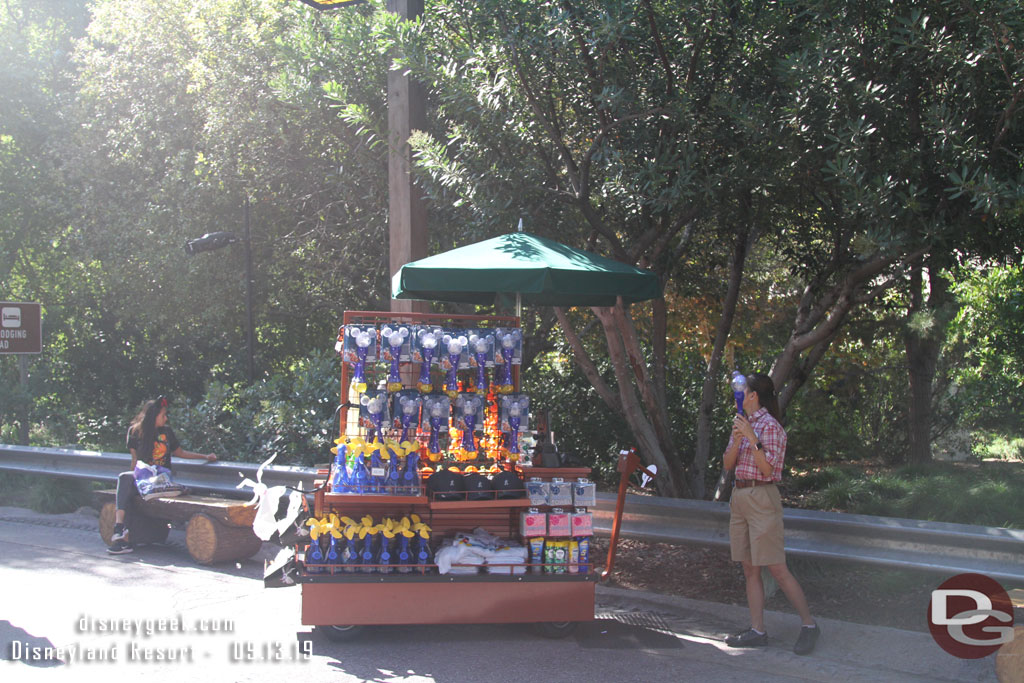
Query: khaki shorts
point(755, 526)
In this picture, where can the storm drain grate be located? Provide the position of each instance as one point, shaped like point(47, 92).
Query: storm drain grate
point(642, 619)
point(613, 630)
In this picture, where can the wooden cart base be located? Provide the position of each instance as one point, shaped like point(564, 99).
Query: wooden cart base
point(440, 600)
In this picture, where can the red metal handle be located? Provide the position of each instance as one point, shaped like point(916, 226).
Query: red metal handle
point(629, 462)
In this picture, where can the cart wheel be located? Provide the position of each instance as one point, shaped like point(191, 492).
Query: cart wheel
point(555, 629)
point(340, 633)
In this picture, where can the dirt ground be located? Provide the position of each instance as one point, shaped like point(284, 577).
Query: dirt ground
point(867, 595)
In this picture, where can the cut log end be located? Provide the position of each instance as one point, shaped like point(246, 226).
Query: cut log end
point(210, 541)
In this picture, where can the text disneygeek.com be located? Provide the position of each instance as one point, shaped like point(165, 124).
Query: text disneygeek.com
point(145, 644)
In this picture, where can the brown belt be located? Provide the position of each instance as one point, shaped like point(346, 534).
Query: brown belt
point(745, 483)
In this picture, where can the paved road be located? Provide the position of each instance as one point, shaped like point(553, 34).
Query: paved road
point(60, 589)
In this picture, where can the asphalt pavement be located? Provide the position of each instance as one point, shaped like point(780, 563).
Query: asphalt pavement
point(69, 609)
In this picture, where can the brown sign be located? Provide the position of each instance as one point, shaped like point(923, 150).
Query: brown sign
point(21, 327)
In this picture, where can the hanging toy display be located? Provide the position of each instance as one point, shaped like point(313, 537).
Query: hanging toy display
point(373, 409)
point(739, 389)
point(437, 408)
point(394, 349)
point(481, 346)
point(515, 414)
point(359, 344)
point(469, 411)
point(508, 351)
point(451, 361)
point(405, 408)
point(424, 347)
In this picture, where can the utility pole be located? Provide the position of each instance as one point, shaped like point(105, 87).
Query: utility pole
point(407, 209)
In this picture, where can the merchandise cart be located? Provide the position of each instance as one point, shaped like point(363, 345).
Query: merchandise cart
point(338, 599)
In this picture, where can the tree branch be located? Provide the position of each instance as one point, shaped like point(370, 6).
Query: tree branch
point(586, 364)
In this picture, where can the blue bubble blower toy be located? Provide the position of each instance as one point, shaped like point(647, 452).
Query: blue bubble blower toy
point(392, 347)
point(468, 406)
point(364, 339)
point(504, 353)
point(428, 340)
point(480, 345)
point(409, 413)
point(739, 388)
point(455, 345)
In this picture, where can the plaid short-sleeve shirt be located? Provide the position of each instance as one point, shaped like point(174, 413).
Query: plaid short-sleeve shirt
point(772, 436)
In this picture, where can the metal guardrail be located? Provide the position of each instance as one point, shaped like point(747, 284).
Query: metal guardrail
point(885, 541)
point(219, 477)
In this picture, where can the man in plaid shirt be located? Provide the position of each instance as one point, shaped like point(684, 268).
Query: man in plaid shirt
point(756, 450)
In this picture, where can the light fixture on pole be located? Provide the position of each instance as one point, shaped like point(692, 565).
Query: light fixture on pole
point(212, 241)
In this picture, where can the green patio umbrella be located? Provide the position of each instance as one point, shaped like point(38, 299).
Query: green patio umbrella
point(539, 270)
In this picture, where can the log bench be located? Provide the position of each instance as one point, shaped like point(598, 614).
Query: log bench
point(216, 529)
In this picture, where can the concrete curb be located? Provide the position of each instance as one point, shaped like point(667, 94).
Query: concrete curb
point(846, 651)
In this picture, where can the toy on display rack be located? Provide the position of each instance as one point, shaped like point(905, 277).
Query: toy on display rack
point(508, 352)
point(339, 476)
point(450, 362)
point(410, 481)
point(373, 413)
point(394, 349)
point(437, 408)
point(405, 407)
point(424, 347)
point(359, 473)
point(314, 552)
point(469, 409)
point(481, 345)
point(358, 344)
point(515, 414)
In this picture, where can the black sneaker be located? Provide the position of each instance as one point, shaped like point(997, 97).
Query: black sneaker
point(748, 638)
point(808, 637)
point(120, 548)
point(120, 533)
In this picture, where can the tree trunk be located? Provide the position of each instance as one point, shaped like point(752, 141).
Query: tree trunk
point(653, 442)
point(923, 344)
point(709, 391)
